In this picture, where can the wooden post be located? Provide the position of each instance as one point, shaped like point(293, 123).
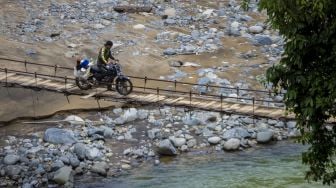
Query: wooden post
point(237, 93)
point(145, 83)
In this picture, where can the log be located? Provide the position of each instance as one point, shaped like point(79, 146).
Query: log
point(132, 9)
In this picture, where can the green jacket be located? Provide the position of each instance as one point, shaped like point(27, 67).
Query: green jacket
point(104, 55)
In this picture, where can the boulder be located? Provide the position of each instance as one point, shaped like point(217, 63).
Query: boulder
point(231, 144)
point(59, 136)
point(11, 159)
point(100, 168)
point(63, 175)
point(108, 132)
point(178, 142)
point(80, 150)
point(74, 162)
point(264, 136)
point(214, 140)
point(166, 148)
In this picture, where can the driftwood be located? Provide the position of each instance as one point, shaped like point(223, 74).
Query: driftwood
point(133, 9)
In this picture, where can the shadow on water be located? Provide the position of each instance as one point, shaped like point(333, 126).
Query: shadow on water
point(277, 165)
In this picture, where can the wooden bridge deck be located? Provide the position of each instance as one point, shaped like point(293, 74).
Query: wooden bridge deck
point(141, 96)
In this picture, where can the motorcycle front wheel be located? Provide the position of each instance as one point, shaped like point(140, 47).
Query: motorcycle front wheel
point(83, 84)
point(124, 86)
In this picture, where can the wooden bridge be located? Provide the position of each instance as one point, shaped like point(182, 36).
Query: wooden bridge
point(179, 93)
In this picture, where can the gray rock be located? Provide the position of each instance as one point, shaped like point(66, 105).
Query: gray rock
point(13, 171)
point(57, 165)
point(231, 144)
point(126, 166)
point(63, 175)
point(214, 140)
point(184, 148)
point(279, 124)
point(59, 136)
point(92, 131)
point(261, 40)
point(256, 29)
point(264, 136)
point(153, 133)
point(236, 133)
point(11, 159)
point(169, 51)
point(177, 142)
point(80, 150)
point(100, 168)
point(74, 162)
point(65, 159)
point(108, 132)
point(291, 124)
point(93, 154)
point(170, 21)
point(191, 143)
point(247, 120)
point(166, 148)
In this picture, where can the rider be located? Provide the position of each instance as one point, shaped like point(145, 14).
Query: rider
point(104, 56)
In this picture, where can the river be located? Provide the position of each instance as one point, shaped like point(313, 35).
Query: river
point(277, 165)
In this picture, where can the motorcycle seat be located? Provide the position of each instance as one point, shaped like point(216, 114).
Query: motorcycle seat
point(95, 69)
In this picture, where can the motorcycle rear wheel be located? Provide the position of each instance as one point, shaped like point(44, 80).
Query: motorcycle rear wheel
point(124, 86)
point(83, 84)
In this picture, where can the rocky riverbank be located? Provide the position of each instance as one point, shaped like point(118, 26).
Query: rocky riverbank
point(114, 143)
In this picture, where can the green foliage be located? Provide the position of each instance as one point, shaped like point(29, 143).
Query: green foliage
point(307, 71)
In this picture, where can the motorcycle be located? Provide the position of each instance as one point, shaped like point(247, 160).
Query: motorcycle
point(91, 76)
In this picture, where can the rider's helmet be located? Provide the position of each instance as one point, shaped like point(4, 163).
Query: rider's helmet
point(109, 43)
point(84, 63)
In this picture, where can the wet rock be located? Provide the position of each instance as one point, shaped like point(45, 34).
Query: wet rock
point(214, 140)
point(231, 144)
point(80, 150)
point(166, 148)
point(11, 159)
point(178, 142)
point(100, 168)
point(264, 136)
point(169, 51)
point(236, 133)
point(59, 136)
point(256, 29)
point(63, 175)
point(184, 148)
point(94, 130)
point(279, 124)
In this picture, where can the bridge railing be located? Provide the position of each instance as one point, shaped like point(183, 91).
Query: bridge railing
point(174, 90)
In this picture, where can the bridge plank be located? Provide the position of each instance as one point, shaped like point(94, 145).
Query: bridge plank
point(99, 91)
point(31, 81)
point(171, 101)
point(3, 75)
